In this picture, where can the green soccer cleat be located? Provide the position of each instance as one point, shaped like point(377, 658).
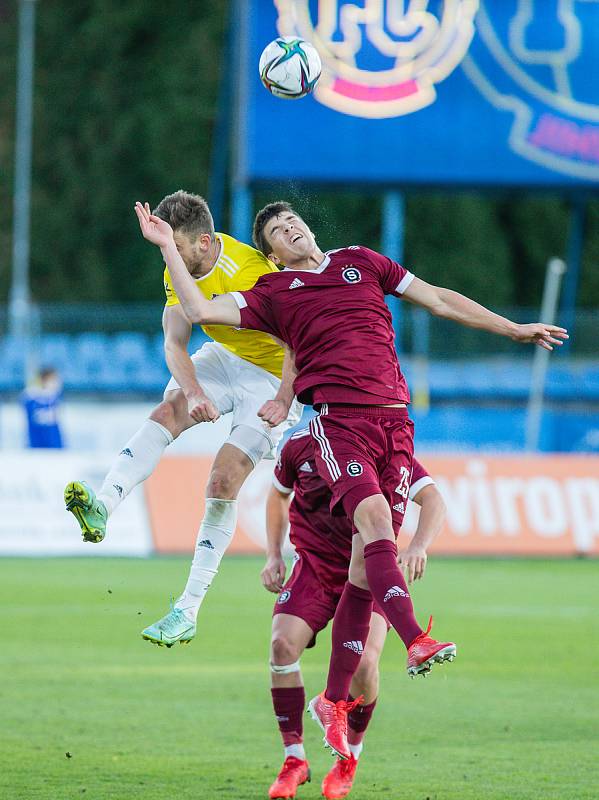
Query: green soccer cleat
point(173, 628)
point(89, 512)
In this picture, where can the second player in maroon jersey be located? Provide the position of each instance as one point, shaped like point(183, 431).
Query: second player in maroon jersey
point(308, 599)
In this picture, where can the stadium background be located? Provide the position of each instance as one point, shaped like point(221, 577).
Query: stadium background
point(133, 100)
point(452, 198)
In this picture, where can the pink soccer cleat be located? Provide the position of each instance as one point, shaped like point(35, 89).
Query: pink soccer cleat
point(294, 773)
point(338, 782)
point(332, 718)
point(425, 651)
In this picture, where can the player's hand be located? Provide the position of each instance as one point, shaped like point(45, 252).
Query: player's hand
point(273, 574)
point(153, 228)
point(413, 560)
point(544, 335)
point(201, 408)
point(274, 412)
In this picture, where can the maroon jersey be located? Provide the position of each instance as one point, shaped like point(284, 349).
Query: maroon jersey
point(337, 322)
point(323, 538)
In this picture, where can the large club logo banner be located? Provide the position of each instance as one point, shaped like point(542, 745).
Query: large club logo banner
point(381, 59)
point(444, 92)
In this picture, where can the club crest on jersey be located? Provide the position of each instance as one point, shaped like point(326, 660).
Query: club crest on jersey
point(284, 597)
point(351, 275)
point(354, 468)
point(381, 59)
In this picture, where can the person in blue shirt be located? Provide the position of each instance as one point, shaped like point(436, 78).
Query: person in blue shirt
point(41, 402)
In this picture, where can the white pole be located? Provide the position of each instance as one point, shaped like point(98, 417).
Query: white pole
point(553, 279)
point(20, 301)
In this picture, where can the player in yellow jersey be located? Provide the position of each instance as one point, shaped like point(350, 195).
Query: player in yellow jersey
point(239, 372)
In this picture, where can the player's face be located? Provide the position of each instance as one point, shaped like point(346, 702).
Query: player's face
point(290, 238)
point(193, 251)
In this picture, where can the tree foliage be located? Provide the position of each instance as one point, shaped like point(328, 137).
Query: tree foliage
point(125, 101)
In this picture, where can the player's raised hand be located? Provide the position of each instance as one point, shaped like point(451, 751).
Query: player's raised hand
point(201, 408)
point(537, 333)
point(153, 228)
point(274, 412)
point(413, 561)
point(273, 574)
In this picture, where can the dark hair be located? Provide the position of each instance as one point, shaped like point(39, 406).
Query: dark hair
point(262, 217)
point(186, 212)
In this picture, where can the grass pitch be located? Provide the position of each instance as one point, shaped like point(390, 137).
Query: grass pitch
point(89, 710)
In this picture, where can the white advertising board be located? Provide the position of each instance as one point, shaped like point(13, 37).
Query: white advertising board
point(33, 520)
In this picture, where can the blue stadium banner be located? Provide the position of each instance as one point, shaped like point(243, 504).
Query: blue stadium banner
point(445, 93)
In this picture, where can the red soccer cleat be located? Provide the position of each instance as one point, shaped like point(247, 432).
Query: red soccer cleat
point(332, 718)
point(339, 780)
point(293, 773)
point(424, 651)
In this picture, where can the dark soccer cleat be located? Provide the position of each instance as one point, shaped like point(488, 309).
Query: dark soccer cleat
point(294, 773)
point(332, 718)
point(425, 651)
point(338, 782)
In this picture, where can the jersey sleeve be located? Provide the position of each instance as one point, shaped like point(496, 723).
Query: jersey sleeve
point(394, 278)
point(255, 307)
point(420, 479)
point(285, 473)
point(169, 291)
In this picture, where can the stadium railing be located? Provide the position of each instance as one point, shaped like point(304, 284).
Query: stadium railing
point(119, 349)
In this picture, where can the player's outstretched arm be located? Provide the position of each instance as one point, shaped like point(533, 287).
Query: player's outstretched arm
point(276, 411)
point(452, 305)
point(277, 510)
point(223, 310)
point(432, 516)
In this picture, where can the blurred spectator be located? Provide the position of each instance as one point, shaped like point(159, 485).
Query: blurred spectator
point(41, 401)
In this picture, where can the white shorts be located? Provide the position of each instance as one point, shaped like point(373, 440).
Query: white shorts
point(236, 386)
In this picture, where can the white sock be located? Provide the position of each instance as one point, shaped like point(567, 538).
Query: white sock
point(136, 461)
point(355, 750)
point(214, 536)
point(295, 750)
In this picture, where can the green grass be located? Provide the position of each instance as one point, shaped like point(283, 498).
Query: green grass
point(515, 716)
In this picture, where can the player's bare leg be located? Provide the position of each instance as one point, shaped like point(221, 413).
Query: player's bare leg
point(229, 471)
point(365, 683)
point(290, 637)
point(136, 461)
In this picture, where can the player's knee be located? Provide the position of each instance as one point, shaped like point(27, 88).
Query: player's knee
point(166, 416)
point(373, 519)
point(222, 485)
point(283, 650)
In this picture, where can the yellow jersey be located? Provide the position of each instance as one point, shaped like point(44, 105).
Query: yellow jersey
point(237, 269)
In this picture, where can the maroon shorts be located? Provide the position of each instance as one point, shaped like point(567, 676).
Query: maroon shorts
point(310, 596)
point(364, 450)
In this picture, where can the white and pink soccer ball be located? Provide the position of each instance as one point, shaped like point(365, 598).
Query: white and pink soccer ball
point(290, 67)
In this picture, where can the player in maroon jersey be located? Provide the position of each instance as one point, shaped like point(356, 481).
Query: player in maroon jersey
point(307, 601)
point(330, 309)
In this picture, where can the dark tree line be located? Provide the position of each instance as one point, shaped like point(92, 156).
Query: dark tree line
point(125, 101)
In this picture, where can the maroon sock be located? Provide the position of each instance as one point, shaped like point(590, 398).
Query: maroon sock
point(351, 625)
point(289, 710)
point(389, 588)
point(357, 721)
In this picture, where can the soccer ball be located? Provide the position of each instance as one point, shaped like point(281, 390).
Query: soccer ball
point(290, 67)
